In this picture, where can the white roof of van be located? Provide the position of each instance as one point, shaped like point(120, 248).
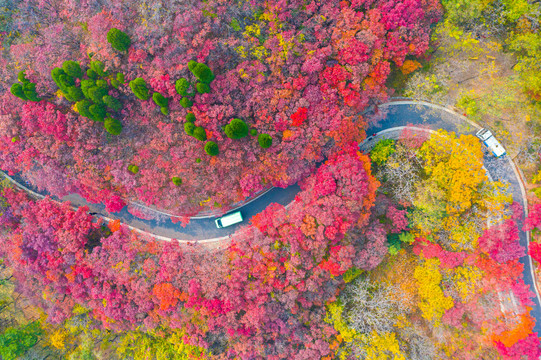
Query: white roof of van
point(495, 146)
point(231, 219)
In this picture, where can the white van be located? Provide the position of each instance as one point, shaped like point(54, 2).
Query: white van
point(490, 141)
point(228, 220)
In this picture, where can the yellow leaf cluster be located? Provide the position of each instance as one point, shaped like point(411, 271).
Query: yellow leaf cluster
point(382, 346)
point(334, 317)
point(466, 280)
point(433, 302)
point(455, 165)
point(58, 339)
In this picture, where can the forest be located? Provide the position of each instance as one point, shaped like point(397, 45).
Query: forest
point(410, 245)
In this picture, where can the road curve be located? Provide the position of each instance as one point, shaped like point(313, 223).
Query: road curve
point(389, 115)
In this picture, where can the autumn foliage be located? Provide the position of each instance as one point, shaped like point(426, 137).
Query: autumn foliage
point(266, 284)
point(300, 73)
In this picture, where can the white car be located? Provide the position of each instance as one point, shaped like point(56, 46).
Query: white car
point(228, 220)
point(490, 141)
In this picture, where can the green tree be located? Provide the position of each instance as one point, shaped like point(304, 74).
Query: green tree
point(236, 129)
point(83, 108)
point(112, 102)
point(92, 74)
point(202, 88)
point(16, 341)
point(120, 78)
point(72, 68)
point(160, 100)
point(186, 103)
point(17, 90)
point(74, 94)
point(181, 86)
point(200, 134)
point(201, 71)
point(134, 169)
point(119, 40)
point(30, 91)
point(211, 148)
point(21, 76)
point(190, 117)
point(382, 150)
point(113, 126)
point(96, 94)
point(176, 180)
point(61, 79)
point(139, 88)
point(189, 127)
point(98, 67)
point(98, 112)
point(264, 140)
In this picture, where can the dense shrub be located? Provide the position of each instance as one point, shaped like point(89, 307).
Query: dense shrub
point(119, 40)
point(264, 140)
point(139, 88)
point(176, 180)
point(72, 68)
point(253, 132)
point(160, 100)
point(236, 129)
point(186, 103)
point(199, 133)
point(113, 126)
point(120, 78)
point(211, 148)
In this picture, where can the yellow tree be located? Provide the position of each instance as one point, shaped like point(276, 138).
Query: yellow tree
point(455, 165)
point(380, 346)
point(433, 302)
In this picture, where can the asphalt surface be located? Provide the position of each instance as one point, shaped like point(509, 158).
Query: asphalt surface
point(389, 115)
point(197, 229)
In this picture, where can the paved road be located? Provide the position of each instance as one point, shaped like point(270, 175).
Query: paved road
point(391, 115)
point(197, 229)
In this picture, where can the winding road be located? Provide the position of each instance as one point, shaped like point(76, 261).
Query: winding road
point(390, 115)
